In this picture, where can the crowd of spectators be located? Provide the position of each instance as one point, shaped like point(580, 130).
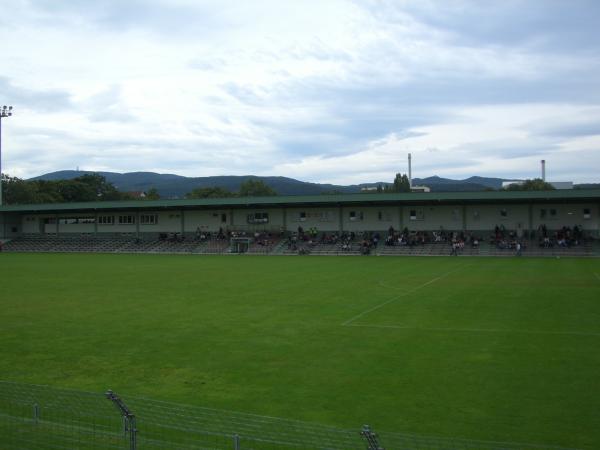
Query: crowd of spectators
point(564, 237)
point(457, 240)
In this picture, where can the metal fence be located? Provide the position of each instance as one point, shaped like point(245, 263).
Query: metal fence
point(40, 417)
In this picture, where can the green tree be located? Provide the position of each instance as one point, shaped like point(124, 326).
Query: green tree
point(537, 184)
point(255, 188)
point(210, 192)
point(152, 194)
point(400, 184)
point(102, 189)
point(16, 191)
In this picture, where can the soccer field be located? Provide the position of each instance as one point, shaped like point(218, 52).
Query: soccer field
point(477, 348)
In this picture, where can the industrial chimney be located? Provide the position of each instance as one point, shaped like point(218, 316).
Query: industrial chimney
point(543, 169)
point(409, 171)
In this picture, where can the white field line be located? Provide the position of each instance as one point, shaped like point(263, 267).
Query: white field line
point(404, 294)
point(476, 330)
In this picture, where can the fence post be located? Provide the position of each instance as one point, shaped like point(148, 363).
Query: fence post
point(128, 418)
point(236, 442)
point(371, 438)
point(36, 413)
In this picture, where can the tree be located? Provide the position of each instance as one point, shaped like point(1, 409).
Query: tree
point(87, 188)
point(103, 190)
point(255, 188)
point(400, 184)
point(16, 191)
point(210, 192)
point(152, 194)
point(537, 184)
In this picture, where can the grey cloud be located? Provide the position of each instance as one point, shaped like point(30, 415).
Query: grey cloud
point(35, 99)
point(567, 130)
point(508, 150)
point(551, 25)
point(107, 106)
point(158, 17)
point(207, 63)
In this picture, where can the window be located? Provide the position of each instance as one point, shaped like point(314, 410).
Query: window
point(75, 220)
point(106, 220)
point(356, 216)
point(149, 219)
point(504, 213)
point(258, 217)
point(302, 216)
point(126, 220)
point(553, 213)
point(587, 213)
point(223, 218)
point(417, 214)
point(543, 213)
point(49, 220)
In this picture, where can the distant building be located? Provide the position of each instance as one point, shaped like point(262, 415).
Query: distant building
point(137, 194)
point(555, 184)
point(420, 189)
point(562, 184)
point(508, 183)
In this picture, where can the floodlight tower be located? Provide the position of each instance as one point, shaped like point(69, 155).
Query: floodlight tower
point(6, 111)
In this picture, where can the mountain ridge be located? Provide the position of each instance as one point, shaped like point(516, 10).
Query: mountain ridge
point(176, 186)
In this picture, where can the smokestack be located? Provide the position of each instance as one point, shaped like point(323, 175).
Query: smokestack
point(409, 171)
point(543, 170)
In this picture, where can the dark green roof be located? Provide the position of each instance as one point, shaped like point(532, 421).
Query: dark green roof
point(562, 196)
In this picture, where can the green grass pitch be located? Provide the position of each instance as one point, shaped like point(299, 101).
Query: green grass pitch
point(477, 348)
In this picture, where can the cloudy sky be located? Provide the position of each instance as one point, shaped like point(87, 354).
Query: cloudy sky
point(334, 91)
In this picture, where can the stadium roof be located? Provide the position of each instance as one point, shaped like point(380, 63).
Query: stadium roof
point(560, 196)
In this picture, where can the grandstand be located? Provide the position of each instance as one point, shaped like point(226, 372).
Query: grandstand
point(544, 223)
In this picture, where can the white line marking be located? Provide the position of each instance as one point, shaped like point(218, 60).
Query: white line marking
point(404, 294)
point(475, 330)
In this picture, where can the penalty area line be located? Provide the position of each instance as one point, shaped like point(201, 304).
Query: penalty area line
point(474, 330)
point(404, 294)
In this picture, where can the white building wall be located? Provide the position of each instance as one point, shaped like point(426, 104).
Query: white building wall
point(370, 218)
point(449, 217)
point(556, 216)
point(74, 227)
point(167, 222)
point(206, 220)
point(30, 224)
point(240, 219)
point(323, 219)
point(486, 217)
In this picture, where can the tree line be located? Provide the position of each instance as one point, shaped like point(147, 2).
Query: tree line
point(94, 187)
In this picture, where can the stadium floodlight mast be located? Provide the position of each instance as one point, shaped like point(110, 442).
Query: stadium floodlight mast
point(6, 111)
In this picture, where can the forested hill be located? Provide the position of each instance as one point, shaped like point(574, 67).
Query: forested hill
point(176, 186)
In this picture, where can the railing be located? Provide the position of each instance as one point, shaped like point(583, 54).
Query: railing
point(40, 417)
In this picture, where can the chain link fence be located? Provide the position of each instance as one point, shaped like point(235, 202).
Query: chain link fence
point(40, 417)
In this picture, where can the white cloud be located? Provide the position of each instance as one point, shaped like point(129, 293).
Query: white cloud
point(333, 91)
